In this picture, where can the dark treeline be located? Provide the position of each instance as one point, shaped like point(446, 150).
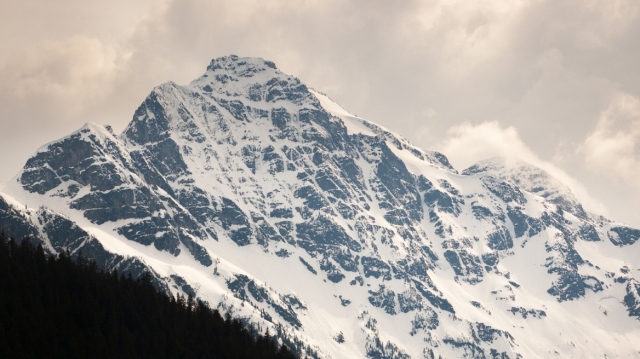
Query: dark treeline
point(54, 307)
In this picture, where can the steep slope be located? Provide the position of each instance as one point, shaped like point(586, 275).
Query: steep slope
point(272, 202)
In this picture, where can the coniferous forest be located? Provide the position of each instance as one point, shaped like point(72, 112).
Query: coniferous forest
point(54, 307)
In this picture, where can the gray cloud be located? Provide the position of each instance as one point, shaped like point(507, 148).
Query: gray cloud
point(544, 69)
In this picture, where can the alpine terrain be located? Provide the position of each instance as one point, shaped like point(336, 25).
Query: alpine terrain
point(253, 192)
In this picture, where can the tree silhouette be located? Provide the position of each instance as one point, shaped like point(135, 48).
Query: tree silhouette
point(54, 307)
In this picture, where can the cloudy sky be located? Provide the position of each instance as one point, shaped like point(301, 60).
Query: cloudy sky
point(553, 82)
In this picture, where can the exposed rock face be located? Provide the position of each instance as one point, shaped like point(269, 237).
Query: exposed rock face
point(57, 233)
point(251, 191)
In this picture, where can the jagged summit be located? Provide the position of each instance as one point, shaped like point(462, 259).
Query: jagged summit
point(371, 247)
point(89, 128)
point(240, 65)
point(252, 78)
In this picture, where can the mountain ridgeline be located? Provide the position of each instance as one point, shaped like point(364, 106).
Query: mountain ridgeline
point(261, 196)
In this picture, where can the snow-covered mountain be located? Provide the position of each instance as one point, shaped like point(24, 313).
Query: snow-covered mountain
point(263, 197)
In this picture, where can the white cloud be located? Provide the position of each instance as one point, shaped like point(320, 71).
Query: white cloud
point(613, 148)
point(467, 144)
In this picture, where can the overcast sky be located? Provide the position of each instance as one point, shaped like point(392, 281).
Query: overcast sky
point(553, 82)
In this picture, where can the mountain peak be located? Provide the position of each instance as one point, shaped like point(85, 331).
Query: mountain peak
point(97, 129)
point(90, 131)
point(530, 178)
point(253, 78)
point(242, 66)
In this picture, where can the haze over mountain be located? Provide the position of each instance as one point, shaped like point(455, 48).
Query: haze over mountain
point(270, 201)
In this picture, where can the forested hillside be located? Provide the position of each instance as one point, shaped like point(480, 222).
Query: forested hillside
point(53, 307)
